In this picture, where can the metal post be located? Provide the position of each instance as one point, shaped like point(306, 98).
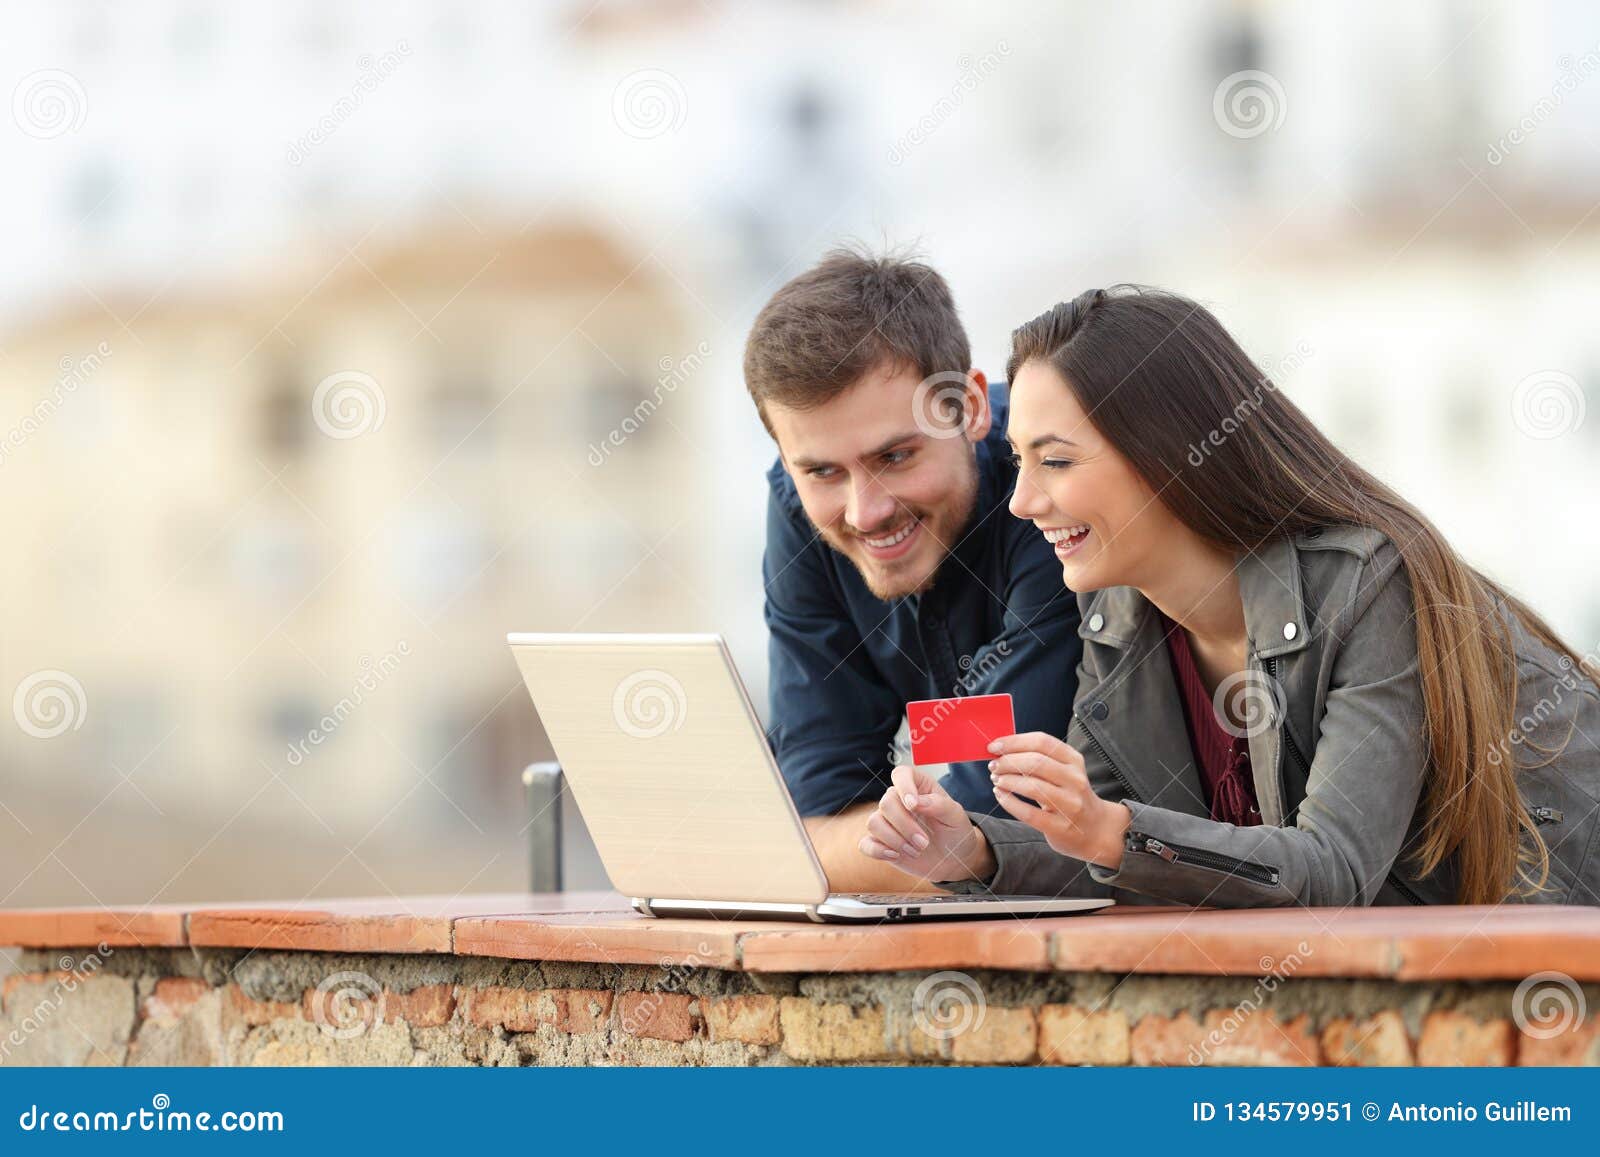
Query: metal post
point(544, 783)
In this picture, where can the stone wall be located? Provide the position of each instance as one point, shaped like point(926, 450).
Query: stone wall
point(140, 1006)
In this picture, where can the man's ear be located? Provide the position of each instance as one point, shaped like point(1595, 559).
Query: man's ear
point(979, 424)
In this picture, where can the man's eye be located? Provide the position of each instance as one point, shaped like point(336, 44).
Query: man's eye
point(895, 457)
point(820, 472)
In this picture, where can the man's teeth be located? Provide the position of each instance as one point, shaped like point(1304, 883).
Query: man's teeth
point(1061, 534)
point(890, 540)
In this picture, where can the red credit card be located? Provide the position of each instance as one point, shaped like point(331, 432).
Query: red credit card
point(955, 730)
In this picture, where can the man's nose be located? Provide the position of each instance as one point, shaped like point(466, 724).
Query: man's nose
point(870, 506)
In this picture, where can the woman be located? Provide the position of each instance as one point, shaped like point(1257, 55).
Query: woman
point(1293, 690)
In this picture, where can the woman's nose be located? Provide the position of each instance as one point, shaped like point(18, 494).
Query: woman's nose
point(1026, 501)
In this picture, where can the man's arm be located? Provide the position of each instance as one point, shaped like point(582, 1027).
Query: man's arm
point(832, 717)
point(837, 839)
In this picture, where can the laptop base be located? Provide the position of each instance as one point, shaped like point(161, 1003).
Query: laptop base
point(874, 908)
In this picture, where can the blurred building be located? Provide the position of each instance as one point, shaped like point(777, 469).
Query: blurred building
point(256, 587)
point(336, 327)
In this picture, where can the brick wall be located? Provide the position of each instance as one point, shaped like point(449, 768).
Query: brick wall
point(136, 1006)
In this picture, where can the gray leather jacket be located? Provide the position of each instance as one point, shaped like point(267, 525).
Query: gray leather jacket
point(1338, 757)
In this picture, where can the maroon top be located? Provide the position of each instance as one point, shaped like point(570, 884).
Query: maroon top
point(1223, 758)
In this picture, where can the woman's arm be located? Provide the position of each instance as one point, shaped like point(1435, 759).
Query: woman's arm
point(1364, 783)
point(977, 853)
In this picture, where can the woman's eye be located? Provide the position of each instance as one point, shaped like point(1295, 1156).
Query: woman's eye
point(1047, 463)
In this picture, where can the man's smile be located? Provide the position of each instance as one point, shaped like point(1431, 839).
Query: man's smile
point(894, 544)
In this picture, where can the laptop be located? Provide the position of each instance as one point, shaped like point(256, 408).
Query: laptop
point(670, 767)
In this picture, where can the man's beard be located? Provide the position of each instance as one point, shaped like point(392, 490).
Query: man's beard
point(944, 526)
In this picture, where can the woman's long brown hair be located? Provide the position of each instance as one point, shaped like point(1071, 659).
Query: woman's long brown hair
point(1240, 464)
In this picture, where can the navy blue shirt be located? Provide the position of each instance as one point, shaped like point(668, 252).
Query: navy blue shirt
point(843, 663)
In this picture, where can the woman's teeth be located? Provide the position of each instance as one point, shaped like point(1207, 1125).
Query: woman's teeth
point(1062, 534)
point(897, 537)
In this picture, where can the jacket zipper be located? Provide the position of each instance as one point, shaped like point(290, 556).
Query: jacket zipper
point(1405, 889)
point(1283, 731)
point(1106, 755)
point(1183, 854)
point(1176, 853)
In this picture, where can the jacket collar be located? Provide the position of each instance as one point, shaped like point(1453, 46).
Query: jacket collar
point(1269, 585)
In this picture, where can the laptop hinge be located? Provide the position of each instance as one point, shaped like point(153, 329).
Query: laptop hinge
point(811, 914)
point(641, 904)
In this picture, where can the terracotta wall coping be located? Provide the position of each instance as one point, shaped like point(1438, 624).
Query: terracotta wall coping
point(1444, 943)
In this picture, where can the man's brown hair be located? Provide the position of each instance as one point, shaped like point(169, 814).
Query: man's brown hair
point(847, 316)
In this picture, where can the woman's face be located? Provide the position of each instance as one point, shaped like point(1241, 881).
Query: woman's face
point(1107, 525)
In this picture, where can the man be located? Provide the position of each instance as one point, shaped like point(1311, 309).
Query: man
point(893, 570)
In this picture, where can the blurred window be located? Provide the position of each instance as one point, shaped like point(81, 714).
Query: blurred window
point(459, 411)
point(621, 406)
point(289, 718)
point(285, 417)
point(273, 557)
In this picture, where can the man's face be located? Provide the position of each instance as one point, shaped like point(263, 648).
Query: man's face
point(886, 471)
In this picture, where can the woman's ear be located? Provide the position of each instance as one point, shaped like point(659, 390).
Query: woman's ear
point(980, 418)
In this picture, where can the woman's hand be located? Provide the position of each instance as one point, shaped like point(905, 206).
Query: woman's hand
point(1065, 810)
point(919, 829)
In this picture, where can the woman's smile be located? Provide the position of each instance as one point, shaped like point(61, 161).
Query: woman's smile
point(1067, 539)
